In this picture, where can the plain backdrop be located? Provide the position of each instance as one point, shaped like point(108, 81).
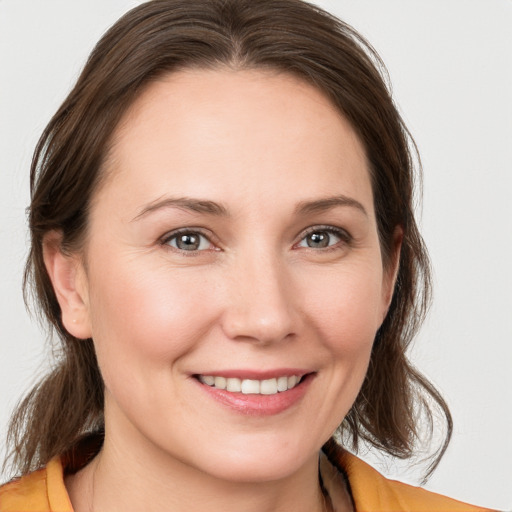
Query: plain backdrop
point(450, 63)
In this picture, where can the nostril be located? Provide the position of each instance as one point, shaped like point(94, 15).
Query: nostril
point(250, 325)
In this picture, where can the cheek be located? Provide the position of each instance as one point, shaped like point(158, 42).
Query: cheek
point(344, 309)
point(145, 318)
point(347, 306)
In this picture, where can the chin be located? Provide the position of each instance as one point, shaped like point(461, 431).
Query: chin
point(257, 461)
point(255, 470)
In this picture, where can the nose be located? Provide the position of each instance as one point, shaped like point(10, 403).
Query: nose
point(261, 306)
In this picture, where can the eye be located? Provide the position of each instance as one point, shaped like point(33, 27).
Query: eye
point(188, 240)
point(321, 238)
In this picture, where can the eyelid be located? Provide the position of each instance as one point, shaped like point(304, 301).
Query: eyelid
point(343, 234)
point(165, 239)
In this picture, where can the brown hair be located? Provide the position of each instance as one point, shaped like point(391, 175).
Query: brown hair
point(162, 36)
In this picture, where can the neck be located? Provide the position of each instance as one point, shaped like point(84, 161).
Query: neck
point(136, 480)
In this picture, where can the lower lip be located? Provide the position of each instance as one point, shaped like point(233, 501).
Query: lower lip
point(259, 405)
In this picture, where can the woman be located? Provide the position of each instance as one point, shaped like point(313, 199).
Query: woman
point(223, 238)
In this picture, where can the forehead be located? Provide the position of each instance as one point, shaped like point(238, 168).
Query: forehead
point(249, 130)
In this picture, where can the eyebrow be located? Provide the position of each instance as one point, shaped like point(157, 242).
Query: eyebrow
point(184, 203)
point(213, 208)
point(322, 205)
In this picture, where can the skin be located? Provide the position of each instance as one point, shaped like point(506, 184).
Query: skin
point(253, 296)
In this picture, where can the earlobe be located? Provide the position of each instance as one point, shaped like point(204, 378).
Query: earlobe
point(69, 283)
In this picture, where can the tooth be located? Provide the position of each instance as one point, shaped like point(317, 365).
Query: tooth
point(234, 385)
point(207, 379)
point(220, 382)
point(250, 387)
point(282, 383)
point(292, 381)
point(268, 387)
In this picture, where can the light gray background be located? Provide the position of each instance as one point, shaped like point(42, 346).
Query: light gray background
point(450, 64)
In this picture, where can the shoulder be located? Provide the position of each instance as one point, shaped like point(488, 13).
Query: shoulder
point(40, 491)
point(27, 493)
point(371, 492)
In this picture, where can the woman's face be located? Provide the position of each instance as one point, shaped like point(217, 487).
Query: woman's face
point(233, 243)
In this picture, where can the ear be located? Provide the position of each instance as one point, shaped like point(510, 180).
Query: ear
point(69, 281)
point(391, 270)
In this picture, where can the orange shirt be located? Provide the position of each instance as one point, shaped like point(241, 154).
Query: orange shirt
point(44, 491)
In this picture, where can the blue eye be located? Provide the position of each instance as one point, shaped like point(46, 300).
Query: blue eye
point(322, 238)
point(188, 241)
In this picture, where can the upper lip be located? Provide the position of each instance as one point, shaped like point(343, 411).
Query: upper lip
point(256, 374)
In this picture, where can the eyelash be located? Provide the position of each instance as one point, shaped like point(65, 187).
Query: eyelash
point(344, 239)
point(165, 241)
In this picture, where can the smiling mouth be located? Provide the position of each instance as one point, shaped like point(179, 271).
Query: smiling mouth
point(251, 386)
